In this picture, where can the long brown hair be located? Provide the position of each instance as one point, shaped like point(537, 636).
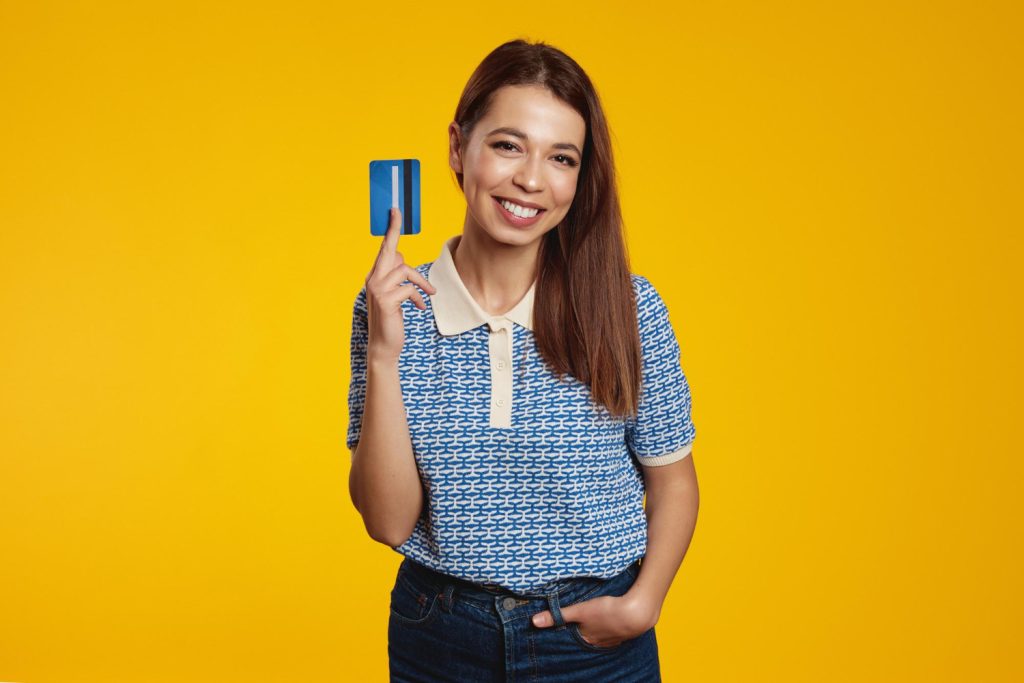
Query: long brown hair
point(584, 313)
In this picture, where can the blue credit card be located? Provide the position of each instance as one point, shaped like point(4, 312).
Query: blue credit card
point(395, 182)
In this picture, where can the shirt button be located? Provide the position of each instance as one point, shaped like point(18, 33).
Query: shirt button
point(500, 401)
point(509, 603)
point(501, 365)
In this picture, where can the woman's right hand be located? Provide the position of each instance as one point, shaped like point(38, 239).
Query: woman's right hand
point(385, 294)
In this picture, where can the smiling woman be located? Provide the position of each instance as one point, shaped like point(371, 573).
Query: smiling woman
point(504, 428)
point(526, 173)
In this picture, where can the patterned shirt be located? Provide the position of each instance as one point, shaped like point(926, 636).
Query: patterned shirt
point(527, 480)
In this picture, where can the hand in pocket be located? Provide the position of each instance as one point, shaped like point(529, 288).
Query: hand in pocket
point(604, 621)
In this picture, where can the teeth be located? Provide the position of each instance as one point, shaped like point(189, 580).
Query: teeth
point(520, 211)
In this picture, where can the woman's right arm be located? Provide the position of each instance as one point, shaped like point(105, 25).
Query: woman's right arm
point(384, 482)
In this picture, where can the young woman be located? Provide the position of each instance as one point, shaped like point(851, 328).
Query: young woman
point(506, 424)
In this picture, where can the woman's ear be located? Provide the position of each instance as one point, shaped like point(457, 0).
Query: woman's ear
point(455, 147)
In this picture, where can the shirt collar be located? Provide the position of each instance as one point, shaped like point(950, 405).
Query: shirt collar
point(455, 309)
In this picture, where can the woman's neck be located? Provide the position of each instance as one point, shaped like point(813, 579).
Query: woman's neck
point(497, 275)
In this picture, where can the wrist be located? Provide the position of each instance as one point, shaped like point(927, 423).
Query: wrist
point(646, 606)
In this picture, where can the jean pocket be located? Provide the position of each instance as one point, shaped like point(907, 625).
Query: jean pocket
point(616, 586)
point(574, 631)
point(414, 603)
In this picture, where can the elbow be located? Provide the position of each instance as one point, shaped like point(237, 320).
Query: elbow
point(389, 537)
point(353, 493)
point(388, 518)
point(390, 527)
point(391, 541)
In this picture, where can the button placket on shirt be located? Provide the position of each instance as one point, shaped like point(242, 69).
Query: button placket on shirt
point(499, 349)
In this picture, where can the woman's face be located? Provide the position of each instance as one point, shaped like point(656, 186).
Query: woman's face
point(525, 150)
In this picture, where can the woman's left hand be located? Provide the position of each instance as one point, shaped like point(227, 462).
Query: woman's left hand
point(606, 621)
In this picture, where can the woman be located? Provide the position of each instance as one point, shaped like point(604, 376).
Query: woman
point(506, 427)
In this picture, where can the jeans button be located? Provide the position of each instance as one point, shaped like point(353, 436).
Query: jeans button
point(509, 603)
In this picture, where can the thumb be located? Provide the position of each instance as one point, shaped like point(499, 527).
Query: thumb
point(544, 619)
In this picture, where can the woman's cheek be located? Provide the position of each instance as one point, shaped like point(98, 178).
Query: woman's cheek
point(566, 193)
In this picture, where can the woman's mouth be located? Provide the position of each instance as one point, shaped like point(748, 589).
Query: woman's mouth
point(508, 211)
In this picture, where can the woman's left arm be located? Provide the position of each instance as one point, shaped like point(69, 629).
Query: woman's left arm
point(672, 503)
point(671, 516)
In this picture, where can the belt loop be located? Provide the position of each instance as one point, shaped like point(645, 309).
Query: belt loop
point(556, 612)
point(446, 596)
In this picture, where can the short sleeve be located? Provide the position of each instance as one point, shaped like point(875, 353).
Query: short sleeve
point(357, 363)
point(662, 431)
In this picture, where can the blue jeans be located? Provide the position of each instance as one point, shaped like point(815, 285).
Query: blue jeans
point(443, 628)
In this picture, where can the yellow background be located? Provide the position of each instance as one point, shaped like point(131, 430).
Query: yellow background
point(827, 195)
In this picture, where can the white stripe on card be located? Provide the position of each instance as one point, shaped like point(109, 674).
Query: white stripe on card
point(394, 186)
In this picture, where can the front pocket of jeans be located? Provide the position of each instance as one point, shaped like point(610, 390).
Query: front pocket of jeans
point(574, 631)
point(413, 604)
point(617, 586)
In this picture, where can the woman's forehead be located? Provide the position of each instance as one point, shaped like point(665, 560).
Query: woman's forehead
point(535, 111)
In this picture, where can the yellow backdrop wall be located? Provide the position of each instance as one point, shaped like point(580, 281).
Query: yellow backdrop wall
point(827, 194)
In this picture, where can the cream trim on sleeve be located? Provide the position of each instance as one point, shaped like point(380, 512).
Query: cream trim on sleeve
point(666, 459)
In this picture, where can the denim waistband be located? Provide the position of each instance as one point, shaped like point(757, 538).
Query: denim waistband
point(560, 587)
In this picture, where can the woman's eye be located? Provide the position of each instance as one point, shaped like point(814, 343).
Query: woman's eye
point(507, 146)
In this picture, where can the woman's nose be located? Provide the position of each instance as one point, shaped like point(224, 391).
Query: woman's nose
point(529, 177)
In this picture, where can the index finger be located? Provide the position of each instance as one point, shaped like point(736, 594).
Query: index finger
point(390, 243)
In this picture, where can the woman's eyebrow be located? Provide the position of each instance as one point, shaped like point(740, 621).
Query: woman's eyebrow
point(520, 134)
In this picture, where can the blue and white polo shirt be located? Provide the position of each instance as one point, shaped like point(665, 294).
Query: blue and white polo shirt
point(527, 480)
